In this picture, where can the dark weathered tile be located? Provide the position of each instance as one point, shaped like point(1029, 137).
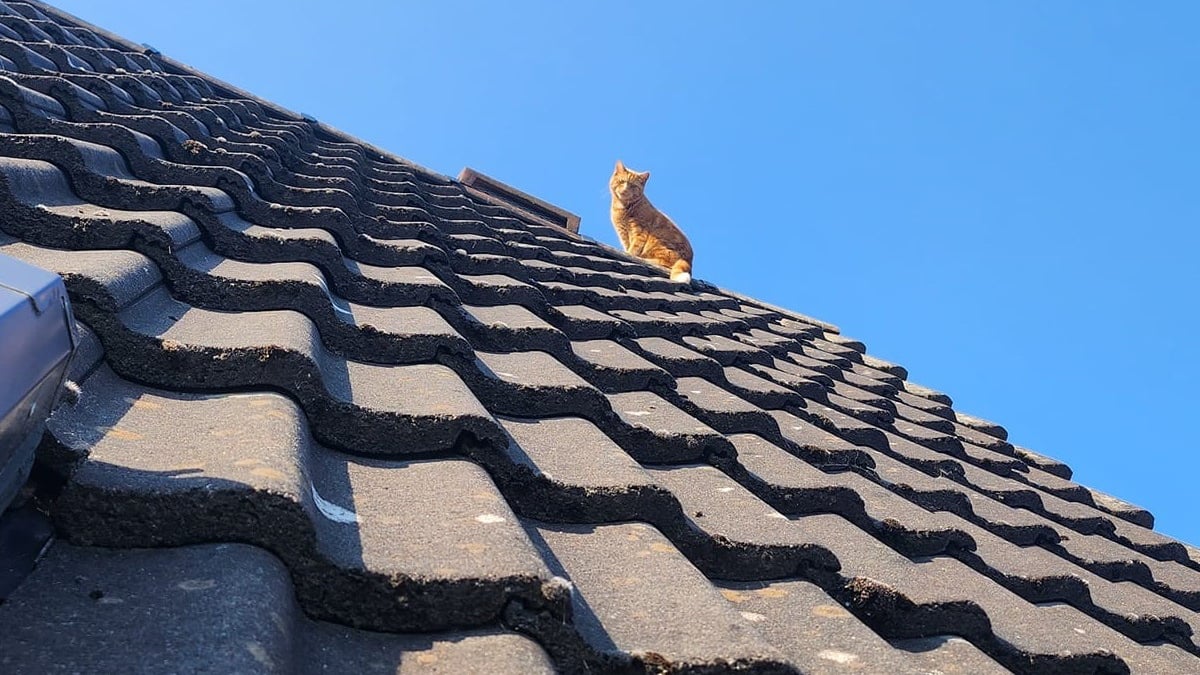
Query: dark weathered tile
point(928, 405)
point(657, 432)
point(1119, 508)
point(595, 480)
point(834, 349)
point(411, 542)
point(815, 444)
point(498, 289)
point(612, 367)
point(973, 435)
point(876, 363)
point(384, 335)
point(679, 360)
point(1149, 542)
point(176, 610)
point(596, 297)
point(940, 493)
point(511, 328)
point(1040, 576)
point(765, 340)
point(761, 391)
point(637, 597)
point(365, 407)
point(793, 329)
point(764, 542)
point(897, 598)
point(797, 488)
point(720, 408)
point(1117, 563)
point(580, 322)
point(926, 392)
point(990, 428)
point(846, 393)
point(808, 387)
point(1044, 463)
point(947, 654)
point(832, 370)
point(533, 384)
point(818, 635)
point(727, 351)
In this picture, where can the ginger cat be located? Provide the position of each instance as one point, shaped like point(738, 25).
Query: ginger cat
point(645, 231)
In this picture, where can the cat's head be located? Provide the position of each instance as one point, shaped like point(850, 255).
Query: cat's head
point(627, 186)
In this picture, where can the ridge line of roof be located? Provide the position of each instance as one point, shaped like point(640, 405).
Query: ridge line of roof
point(350, 138)
point(790, 313)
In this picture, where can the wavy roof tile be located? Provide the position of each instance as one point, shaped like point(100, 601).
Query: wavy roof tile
point(340, 413)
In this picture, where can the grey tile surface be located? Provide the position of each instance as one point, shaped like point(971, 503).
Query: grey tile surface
point(216, 607)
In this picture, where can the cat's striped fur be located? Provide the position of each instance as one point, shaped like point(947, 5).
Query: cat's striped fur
point(645, 231)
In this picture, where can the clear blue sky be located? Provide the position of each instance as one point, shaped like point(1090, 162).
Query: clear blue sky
point(1002, 197)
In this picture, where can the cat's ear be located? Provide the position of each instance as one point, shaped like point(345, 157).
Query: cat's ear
point(642, 177)
point(620, 166)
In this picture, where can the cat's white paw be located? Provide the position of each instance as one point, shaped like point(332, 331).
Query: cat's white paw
point(682, 278)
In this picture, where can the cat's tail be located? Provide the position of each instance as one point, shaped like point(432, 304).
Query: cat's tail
point(681, 272)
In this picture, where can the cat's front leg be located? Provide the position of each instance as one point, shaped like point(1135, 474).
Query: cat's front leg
point(637, 242)
point(621, 237)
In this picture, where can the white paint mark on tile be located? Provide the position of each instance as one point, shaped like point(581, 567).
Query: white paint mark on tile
point(332, 511)
point(843, 658)
point(753, 617)
point(725, 489)
point(196, 584)
point(489, 519)
point(260, 654)
point(636, 413)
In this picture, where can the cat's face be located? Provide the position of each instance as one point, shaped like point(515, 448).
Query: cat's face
point(627, 186)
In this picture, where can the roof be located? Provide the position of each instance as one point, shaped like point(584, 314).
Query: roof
point(340, 413)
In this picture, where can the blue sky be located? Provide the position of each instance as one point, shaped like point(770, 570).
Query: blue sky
point(1001, 197)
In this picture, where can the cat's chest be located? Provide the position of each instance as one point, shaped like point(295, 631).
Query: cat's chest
point(627, 218)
